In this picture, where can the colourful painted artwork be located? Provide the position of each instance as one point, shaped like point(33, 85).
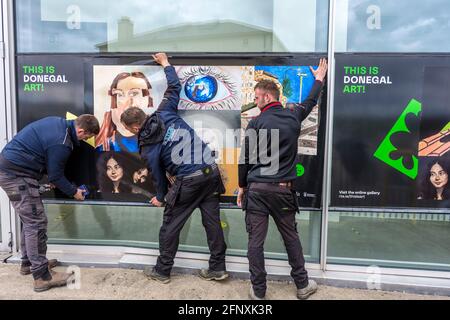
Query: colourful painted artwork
point(436, 145)
point(210, 87)
point(295, 83)
point(217, 101)
point(116, 88)
point(210, 101)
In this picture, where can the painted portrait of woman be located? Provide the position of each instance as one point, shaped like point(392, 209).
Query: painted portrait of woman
point(112, 176)
point(434, 184)
point(128, 89)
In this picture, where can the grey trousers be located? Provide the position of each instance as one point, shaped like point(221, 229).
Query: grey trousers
point(25, 198)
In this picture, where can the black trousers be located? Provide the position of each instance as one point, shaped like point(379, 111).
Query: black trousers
point(183, 198)
point(280, 203)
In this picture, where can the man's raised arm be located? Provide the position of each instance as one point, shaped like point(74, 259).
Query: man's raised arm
point(304, 109)
point(172, 94)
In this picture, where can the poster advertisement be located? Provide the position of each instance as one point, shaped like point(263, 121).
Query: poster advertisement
point(216, 101)
point(295, 83)
point(391, 145)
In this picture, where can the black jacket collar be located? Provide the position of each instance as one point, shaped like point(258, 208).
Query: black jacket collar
point(271, 105)
point(152, 131)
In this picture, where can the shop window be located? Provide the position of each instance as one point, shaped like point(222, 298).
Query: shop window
point(392, 26)
point(139, 227)
point(390, 239)
point(171, 26)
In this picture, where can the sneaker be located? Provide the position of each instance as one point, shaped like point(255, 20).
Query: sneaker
point(57, 279)
point(304, 293)
point(153, 274)
point(253, 296)
point(207, 274)
point(26, 269)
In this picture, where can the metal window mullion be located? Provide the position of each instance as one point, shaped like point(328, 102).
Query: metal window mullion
point(4, 208)
point(10, 95)
point(326, 186)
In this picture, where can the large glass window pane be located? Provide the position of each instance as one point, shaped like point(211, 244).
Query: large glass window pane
point(172, 26)
point(392, 26)
point(139, 227)
point(390, 239)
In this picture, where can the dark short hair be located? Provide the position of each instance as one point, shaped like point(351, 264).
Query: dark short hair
point(270, 87)
point(88, 123)
point(133, 115)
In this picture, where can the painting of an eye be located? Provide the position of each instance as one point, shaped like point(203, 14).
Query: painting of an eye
point(210, 88)
point(201, 89)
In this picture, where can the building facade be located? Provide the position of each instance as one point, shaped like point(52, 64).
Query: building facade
point(372, 214)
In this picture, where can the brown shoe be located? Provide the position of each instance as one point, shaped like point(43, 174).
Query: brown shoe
point(58, 279)
point(26, 270)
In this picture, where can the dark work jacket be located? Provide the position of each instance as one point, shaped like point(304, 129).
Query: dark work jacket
point(178, 137)
point(253, 167)
point(43, 147)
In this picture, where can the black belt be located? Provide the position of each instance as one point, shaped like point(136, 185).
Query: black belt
point(287, 184)
point(201, 172)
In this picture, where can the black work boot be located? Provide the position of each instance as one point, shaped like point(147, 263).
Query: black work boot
point(25, 268)
point(207, 274)
point(153, 274)
point(253, 295)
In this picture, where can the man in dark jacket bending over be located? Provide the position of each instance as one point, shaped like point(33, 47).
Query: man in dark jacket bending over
point(42, 147)
point(168, 144)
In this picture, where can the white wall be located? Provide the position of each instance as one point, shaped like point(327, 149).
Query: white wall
point(4, 202)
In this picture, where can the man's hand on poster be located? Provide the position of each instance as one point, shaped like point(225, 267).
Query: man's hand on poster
point(79, 195)
point(156, 203)
point(321, 71)
point(240, 196)
point(161, 58)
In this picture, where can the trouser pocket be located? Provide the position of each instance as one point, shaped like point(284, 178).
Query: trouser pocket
point(283, 202)
point(10, 183)
point(14, 195)
point(33, 187)
point(245, 200)
point(296, 201)
point(172, 194)
point(222, 188)
point(19, 188)
point(248, 224)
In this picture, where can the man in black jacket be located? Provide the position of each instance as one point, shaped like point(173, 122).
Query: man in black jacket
point(266, 172)
point(168, 144)
point(42, 147)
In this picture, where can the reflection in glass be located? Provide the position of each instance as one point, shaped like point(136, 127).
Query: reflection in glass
point(392, 26)
point(172, 26)
point(389, 239)
point(138, 226)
